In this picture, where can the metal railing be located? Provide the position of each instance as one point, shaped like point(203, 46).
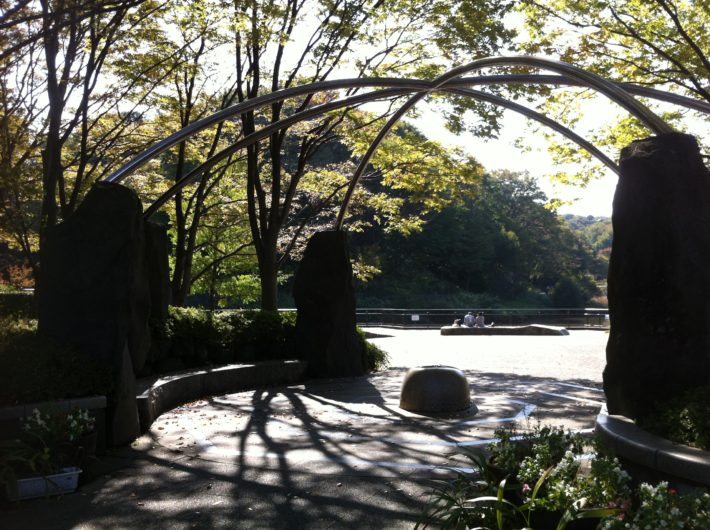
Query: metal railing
point(593, 318)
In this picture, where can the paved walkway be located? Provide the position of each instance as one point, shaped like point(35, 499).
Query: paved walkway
point(330, 453)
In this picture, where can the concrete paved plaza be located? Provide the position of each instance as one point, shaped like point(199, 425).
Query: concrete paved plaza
point(332, 453)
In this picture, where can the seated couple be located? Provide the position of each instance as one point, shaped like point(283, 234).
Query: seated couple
point(479, 321)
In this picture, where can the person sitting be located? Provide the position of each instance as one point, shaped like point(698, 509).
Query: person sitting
point(469, 320)
point(457, 323)
point(481, 321)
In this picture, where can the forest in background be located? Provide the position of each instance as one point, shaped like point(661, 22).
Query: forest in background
point(505, 248)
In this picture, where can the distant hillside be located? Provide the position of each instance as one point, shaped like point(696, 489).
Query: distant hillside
point(595, 231)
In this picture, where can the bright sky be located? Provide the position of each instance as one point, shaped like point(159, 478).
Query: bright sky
point(595, 199)
point(503, 154)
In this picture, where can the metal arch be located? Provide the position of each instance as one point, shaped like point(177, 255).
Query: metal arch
point(529, 113)
point(281, 95)
point(321, 109)
point(544, 79)
point(266, 132)
point(607, 88)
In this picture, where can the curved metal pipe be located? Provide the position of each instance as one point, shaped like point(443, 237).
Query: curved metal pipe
point(321, 109)
point(280, 95)
point(607, 88)
point(529, 113)
point(265, 132)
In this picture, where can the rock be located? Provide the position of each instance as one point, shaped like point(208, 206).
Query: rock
point(157, 250)
point(94, 291)
point(659, 275)
point(435, 389)
point(532, 329)
point(123, 421)
point(325, 300)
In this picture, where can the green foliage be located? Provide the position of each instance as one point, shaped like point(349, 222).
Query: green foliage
point(49, 425)
point(661, 506)
point(196, 335)
point(199, 337)
point(16, 304)
point(263, 335)
point(657, 43)
point(19, 459)
point(374, 358)
point(569, 292)
point(684, 419)
point(545, 485)
point(528, 454)
point(44, 369)
point(504, 246)
point(553, 487)
point(596, 231)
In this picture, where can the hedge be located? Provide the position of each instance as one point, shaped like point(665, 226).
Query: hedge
point(17, 304)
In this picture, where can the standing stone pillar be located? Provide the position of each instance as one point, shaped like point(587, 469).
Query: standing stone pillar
point(325, 300)
point(659, 275)
point(94, 293)
point(157, 261)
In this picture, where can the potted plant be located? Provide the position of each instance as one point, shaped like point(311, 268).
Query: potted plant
point(27, 472)
point(48, 458)
point(70, 436)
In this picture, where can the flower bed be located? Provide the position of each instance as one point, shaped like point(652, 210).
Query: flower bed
point(553, 479)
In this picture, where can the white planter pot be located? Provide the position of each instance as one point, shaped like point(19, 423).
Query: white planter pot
point(63, 482)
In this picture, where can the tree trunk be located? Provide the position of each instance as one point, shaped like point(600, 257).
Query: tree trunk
point(268, 273)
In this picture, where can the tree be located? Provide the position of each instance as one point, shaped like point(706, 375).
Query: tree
point(70, 54)
point(368, 36)
point(656, 43)
point(21, 132)
point(659, 43)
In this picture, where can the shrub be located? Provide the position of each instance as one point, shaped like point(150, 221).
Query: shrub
point(199, 337)
point(684, 419)
point(566, 486)
point(263, 335)
point(16, 304)
point(374, 358)
point(196, 336)
point(545, 485)
point(45, 369)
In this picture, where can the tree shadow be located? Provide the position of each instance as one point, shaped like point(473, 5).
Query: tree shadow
point(334, 453)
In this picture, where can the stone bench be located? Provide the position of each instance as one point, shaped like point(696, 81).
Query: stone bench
point(656, 455)
point(159, 395)
point(532, 329)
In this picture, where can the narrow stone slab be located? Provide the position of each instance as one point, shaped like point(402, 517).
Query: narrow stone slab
point(532, 329)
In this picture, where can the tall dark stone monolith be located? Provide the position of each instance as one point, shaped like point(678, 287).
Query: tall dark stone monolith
point(95, 293)
point(157, 249)
point(323, 291)
point(659, 275)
